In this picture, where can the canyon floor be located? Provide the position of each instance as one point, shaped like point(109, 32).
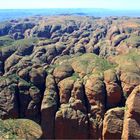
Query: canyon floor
point(70, 77)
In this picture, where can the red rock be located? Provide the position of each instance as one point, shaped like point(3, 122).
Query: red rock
point(65, 88)
point(131, 125)
point(113, 123)
point(71, 123)
point(48, 108)
point(95, 90)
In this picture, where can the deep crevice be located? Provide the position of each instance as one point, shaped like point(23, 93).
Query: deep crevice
point(123, 99)
point(18, 101)
point(105, 98)
point(42, 91)
point(88, 107)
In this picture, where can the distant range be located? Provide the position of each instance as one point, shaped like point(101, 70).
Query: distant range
point(6, 14)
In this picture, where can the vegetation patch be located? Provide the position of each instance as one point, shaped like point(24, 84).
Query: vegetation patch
point(6, 41)
point(9, 129)
point(25, 42)
point(75, 76)
point(19, 129)
point(133, 40)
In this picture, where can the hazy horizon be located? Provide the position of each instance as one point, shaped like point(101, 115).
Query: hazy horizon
point(45, 4)
point(69, 8)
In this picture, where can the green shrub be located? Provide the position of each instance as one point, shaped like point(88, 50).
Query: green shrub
point(133, 40)
point(25, 42)
point(9, 129)
point(75, 76)
point(6, 41)
point(103, 64)
point(125, 95)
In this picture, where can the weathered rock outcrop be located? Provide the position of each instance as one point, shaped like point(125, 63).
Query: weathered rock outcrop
point(113, 123)
point(19, 99)
point(131, 127)
point(95, 92)
point(72, 75)
point(71, 121)
point(19, 129)
point(48, 108)
point(113, 89)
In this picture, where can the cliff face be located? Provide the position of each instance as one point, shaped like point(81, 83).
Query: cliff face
point(72, 75)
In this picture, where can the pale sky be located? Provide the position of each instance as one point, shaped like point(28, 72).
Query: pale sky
point(107, 4)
